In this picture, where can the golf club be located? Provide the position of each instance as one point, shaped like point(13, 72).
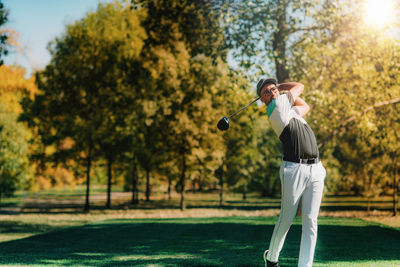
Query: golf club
point(223, 123)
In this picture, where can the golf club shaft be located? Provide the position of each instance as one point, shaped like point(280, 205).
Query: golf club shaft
point(244, 107)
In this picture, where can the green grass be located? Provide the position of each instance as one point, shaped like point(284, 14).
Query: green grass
point(228, 241)
point(55, 232)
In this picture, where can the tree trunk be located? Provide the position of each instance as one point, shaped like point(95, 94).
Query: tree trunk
point(266, 192)
point(244, 192)
point(109, 174)
point(194, 186)
point(369, 178)
point(201, 185)
point(369, 205)
point(148, 185)
point(221, 190)
point(274, 186)
point(88, 167)
point(169, 187)
point(135, 193)
point(183, 204)
point(279, 41)
point(394, 186)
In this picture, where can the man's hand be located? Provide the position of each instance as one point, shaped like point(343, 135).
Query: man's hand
point(268, 95)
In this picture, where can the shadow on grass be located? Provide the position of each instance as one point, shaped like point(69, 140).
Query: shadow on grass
point(73, 202)
point(194, 242)
point(7, 227)
point(56, 208)
point(53, 208)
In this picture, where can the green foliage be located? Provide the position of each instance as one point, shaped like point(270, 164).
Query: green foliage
point(185, 72)
point(83, 95)
point(15, 171)
point(194, 22)
point(13, 153)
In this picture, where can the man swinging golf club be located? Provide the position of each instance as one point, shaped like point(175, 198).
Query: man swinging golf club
point(302, 174)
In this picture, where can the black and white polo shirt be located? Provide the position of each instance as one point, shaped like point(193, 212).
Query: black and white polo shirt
point(295, 134)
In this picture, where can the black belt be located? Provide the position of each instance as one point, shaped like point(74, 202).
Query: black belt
point(304, 161)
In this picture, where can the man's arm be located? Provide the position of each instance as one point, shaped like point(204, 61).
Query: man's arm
point(294, 88)
point(301, 106)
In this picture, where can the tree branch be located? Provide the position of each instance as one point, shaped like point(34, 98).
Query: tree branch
point(306, 29)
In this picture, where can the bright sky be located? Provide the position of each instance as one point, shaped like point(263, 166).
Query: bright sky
point(38, 22)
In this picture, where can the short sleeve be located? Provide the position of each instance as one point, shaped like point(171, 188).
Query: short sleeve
point(290, 97)
point(279, 113)
point(283, 102)
point(296, 109)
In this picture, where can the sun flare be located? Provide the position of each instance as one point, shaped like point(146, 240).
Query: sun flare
point(379, 13)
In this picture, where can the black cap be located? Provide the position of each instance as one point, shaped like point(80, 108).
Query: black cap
point(263, 82)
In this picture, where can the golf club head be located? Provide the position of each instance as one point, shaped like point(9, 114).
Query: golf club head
point(223, 124)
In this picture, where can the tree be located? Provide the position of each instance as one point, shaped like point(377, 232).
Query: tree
point(263, 34)
point(388, 127)
point(3, 34)
point(238, 143)
point(112, 143)
point(196, 22)
point(123, 37)
point(192, 132)
point(14, 170)
point(14, 135)
point(184, 42)
point(81, 90)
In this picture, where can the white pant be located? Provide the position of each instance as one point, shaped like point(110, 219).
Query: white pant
point(305, 181)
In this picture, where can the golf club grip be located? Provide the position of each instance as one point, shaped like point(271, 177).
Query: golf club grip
point(233, 114)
